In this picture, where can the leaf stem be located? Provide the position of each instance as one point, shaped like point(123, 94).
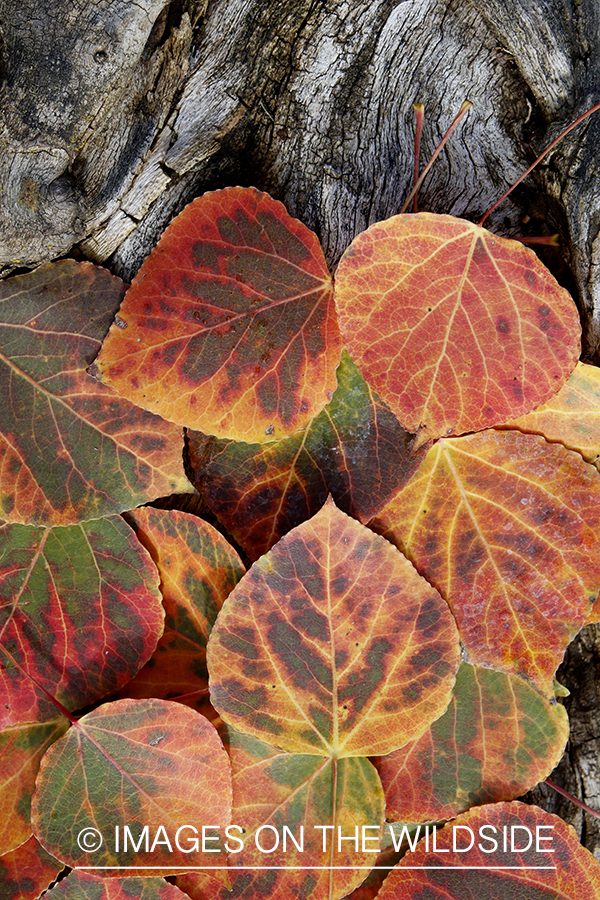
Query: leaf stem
point(563, 134)
point(466, 106)
point(580, 803)
point(419, 116)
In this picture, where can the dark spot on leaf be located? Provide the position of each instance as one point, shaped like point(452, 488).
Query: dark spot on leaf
point(311, 622)
point(306, 668)
point(243, 643)
point(503, 325)
point(530, 277)
point(544, 310)
point(412, 692)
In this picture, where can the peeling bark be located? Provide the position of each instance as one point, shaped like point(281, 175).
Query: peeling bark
point(114, 114)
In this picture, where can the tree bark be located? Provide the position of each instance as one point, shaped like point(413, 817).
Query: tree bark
point(115, 114)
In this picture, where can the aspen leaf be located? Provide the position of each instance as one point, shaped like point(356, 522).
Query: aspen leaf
point(136, 763)
point(570, 872)
point(287, 801)
point(498, 738)
point(70, 448)
point(506, 526)
point(332, 644)
point(85, 886)
point(457, 329)
point(231, 325)
point(197, 569)
point(80, 613)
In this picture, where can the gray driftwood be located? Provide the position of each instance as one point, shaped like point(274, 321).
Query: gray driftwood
point(114, 114)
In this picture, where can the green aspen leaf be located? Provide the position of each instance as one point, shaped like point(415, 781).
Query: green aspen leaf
point(141, 764)
point(80, 612)
point(498, 738)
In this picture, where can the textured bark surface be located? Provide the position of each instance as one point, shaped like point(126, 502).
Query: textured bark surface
point(114, 114)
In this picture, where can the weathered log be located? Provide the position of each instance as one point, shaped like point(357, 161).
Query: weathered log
point(115, 114)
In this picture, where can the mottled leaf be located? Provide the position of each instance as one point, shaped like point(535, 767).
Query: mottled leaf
point(71, 449)
point(21, 748)
point(355, 450)
point(27, 871)
point(229, 326)
point(570, 872)
point(506, 526)
point(197, 569)
point(498, 738)
point(84, 886)
point(133, 763)
point(456, 328)
point(571, 417)
point(332, 644)
point(80, 612)
point(285, 802)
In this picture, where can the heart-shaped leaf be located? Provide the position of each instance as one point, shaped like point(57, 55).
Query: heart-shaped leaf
point(456, 329)
point(80, 612)
point(355, 449)
point(21, 748)
point(507, 527)
point(332, 644)
point(555, 865)
point(144, 764)
point(497, 739)
point(197, 569)
point(70, 449)
point(230, 322)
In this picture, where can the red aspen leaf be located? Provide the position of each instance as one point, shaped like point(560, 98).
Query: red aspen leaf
point(80, 612)
point(133, 763)
point(506, 526)
point(231, 324)
point(197, 569)
point(572, 872)
point(332, 644)
point(355, 450)
point(571, 417)
point(84, 886)
point(456, 328)
point(288, 801)
point(70, 448)
point(25, 873)
point(498, 738)
point(21, 748)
